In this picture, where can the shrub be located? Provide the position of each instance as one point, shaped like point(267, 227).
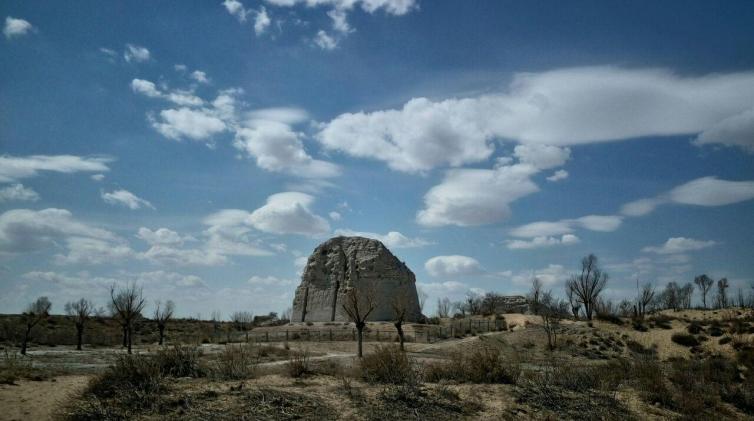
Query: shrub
point(235, 362)
point(14, 367)
point(649, 379)
point(684, 339)
point(694, 328)
point(483, 365)
point(389, 365)
point(298, 365)
point(639, 349)
point(724, 340)
point(180, 361)
point(610, 318)
point(639, 326)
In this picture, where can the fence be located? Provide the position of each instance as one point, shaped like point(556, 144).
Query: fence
point(413, 333)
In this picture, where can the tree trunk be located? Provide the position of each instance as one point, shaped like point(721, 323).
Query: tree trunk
point(125, 336)
point(26, 340)
point(128, 334)
point(399, 328)
point(359, 336)
point(162, 333)
point(247, 336)
point(79, 335)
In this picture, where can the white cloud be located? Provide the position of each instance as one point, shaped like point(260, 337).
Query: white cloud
point(704, 191)
point(278, 148)
point(199, 76)
point(443, 289)
point(393, 7)
point(289, 213)
point(261, 21)
point(453, 265)
point(179, 97)
point(26, 231)
point(16, 167)
point(269, 281)
point(677, 245)
point(339, 20)
point(561, 107)
point(15, 27)
point(18, 193)
point(125, 198)
point(335, 216)
point(602, 223)
point(98, 177)
point(325, 41)
point(392, 239)
point(711, 191)
point(542, 157)
point(300, 264)
point(541, 242)
point(136, 53)
point(236, 9)
point(161, 236)
point(737, 130)
point(187, 123)
point(468, 197)
point(558, 175)
point(549, 275)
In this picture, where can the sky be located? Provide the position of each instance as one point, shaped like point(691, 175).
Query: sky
point(203, 149)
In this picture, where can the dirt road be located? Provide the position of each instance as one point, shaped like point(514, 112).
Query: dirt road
point(30, 400)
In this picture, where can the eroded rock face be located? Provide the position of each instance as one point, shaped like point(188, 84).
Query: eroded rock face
point(346, 262)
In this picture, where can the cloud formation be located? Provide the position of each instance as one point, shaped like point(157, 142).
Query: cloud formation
point(453, 265)
point(15, 27)
point(136, 53)
point(14, 168)
point(18, 193)
point(125, 198)
point(678, 245)
point(392, 240)
point(542, 242)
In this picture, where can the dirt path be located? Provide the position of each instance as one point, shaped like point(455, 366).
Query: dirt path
point(29, 400)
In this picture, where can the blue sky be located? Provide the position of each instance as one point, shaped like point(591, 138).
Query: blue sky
point(203, 149)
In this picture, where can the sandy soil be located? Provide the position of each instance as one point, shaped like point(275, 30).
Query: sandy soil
point(30, 400)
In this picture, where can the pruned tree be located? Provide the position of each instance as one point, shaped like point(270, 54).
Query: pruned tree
point(80, 311)
point(127, 304)
point(443, 307)
point(358, 304)
point(534, 295)
point(645, 298)
point(243, 321)
point(704, 283)
point(722, 293)
point(400, 307)
point(162, 314)
point(34, 313)
point(588, 285)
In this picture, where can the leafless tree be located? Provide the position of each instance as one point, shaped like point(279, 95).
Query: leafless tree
point(704, 283)
point(551, 310)
point(81, 311)
point(400, 306)
point(646, 296)
point(624, 308)
point(359, 303)
point(443, 307)
point(162, 314)
point(286, 315)
point(588, 285)
point(722, 293)
point(669, 296)
point(684, 295)
point(534, 295)
point(422, 298)
point(573, 302)
point(127, 305)
point(243, 320)
point(35, 312)
point(473, 303)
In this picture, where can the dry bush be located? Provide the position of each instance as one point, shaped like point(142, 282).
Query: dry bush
point(272, 404)
point(648, 378)
point(388, 365)
point(298, 365)
point(14, 367)
point(235, 362)
point(661, 321)
point(684, 339)
point(484, 364)
point(180, 361)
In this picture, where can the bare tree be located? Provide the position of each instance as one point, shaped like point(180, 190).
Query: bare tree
point(722, 293)
point(646, 296)
point(443, 307)
point(286, 315)
point(423, 296)
point(535, 294)
point(358, 305)
point(35, 312)
point(400, 306)
point(684, 295)
point(473, 303)
point(162, 314)
point(551, 310)
point(573, 302)
point(127, 304)
point(243, 320)
point(588, 285)
point(81, 311)
point(216, 316)
point(669, 297)
point(704, 283)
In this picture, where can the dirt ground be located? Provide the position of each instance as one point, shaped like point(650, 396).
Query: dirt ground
point(38, 400)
